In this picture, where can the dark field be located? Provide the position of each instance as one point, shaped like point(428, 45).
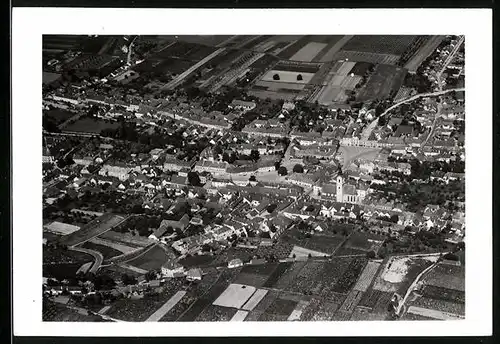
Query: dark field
point(361, 67)
point(151, 260)
point(390, 44)
point(61, 271)
point(292, 49)
point(90, 125)
point(385, 79)
point(282, 307)
point(443, 294)
point(277, 273)
point(58, 116)
point(197, 260)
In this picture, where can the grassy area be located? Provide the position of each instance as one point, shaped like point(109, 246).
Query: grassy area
point(106, 251)
point(151, 260)
point(91, 125)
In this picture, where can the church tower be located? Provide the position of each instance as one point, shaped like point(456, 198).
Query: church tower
point(340, 188)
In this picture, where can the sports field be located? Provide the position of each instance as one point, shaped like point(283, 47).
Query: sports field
point(287, 76)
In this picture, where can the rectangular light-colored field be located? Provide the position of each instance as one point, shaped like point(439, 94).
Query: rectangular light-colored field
point(235, 296)
point(304, 252)
point(346, 67)
point(239, 316)
point(328, 94)
point(367, 276)
point(255, 299)
point(337, 80)
point(308, 52)
point(287, 76)
point(297, 312)
point(271, 85)
point(337, 46)
point(433, 313)
point(350, 82)
point(116, 246)
point(61, 228)
point(156, 316)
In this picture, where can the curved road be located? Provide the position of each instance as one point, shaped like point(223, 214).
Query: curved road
point(368, 130)
point(97, 257)
point(414, 284)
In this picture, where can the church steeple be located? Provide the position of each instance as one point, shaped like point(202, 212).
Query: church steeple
point(340, 188)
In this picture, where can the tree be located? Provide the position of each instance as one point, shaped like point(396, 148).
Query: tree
point(370, 254)
point(276, 77)
point(299, 77)
point(282, 171)
point(194, 178)
point(271, 207)
point(253, 179)
point(394, 218)
point(298, 168)
point(254, 155)
point(137, 209)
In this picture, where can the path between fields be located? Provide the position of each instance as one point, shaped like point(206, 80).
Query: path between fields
point(413, 285)
point(160, 312)
point(199, 297)
point(97, 256)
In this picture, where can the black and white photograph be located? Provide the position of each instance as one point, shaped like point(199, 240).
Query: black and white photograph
point(266, 178)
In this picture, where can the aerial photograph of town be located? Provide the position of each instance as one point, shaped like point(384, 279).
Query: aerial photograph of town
point(253, 178)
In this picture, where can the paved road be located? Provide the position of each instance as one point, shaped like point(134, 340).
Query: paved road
point(97, 257)
point(167, 306)
point(129, 54)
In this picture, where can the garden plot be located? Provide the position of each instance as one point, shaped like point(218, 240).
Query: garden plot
point(308, 52)
point(255, 299)
point(367, 276)
point(434, 314)
point(297, 312)
point(287, 76)
point(216, 313)
point(160, 312)
point(446, 276)
point(235, 296)
point(239, 316)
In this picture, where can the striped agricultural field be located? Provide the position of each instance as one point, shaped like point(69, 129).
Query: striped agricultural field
point(167, 306)
point(367, 276)
point(336, 47)
point(308, 52)
point(239, 316)
point(255, 299)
